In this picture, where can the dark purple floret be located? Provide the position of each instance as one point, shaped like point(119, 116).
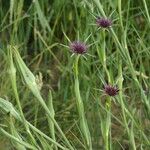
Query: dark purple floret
point(103, 22)
point(111, 90)
point(78, 47)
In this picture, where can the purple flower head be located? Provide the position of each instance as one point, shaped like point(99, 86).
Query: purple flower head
point(78, 47)
point(103, 22)
point(111, 90)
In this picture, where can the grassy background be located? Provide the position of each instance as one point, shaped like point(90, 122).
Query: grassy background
point(37, 29)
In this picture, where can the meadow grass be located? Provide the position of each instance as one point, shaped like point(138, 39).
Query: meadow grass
point(52, 97)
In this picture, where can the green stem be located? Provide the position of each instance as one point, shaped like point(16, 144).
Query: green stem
point(80, 107)
point(146, 9)
point(123, 108)
point(31, 83)
point(108, 100)
point(120, 14)
point(14, 87)
point(108, 122)
point(50, 122)
point(104, 56)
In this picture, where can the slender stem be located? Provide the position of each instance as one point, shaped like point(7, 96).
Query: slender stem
point(51, 124)
point(104, 56)
point(108, 122)
point(123, 108)
point(14, 87)
point(108, 99)
point(146, 9)
point(120, 14)
point(83, 122)
point(30, 81)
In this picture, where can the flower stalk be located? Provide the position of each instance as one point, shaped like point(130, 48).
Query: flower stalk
point(108, 123)
point(30, 81)
point(12, 72)
point(83, 122)
point(107, 118)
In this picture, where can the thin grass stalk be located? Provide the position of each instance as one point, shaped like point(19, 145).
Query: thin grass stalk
point(104, 62)
point(132, 139)
point(11, 137)
point(45, 136)
point(107, 126)
point(11, 8)
point(83, 122)
point(50, 122)
point(12, 72)
point(120, 14)
point(125, 52)
point(31, 83)
point(15, 133)
point(9, 108)
point(146, 9)
point(108, 123)
point(120, 82)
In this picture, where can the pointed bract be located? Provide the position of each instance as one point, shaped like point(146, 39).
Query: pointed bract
point(111, 90)
point(103, 22)
point(78, 47)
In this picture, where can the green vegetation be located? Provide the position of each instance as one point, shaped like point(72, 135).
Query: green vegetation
point(51, 99)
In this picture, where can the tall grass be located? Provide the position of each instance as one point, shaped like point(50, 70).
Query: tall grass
point(52, 100)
